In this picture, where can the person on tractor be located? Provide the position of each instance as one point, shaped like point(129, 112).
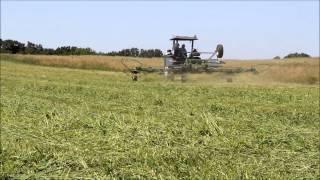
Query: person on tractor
point(184, 51)
point(195, 54)
point(176, 50)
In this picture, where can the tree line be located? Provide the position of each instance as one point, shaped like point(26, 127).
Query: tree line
point(135, 52)
point(294, 55)
point(297, 55)
point(16, 47)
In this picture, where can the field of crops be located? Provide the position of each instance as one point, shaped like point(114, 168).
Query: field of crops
point(72, 123)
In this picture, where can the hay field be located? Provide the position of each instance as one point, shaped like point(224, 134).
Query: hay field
point(63, 123)
point(299, 70)
point(85, 62)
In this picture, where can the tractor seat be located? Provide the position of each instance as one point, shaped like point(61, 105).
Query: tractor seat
point(195, 54)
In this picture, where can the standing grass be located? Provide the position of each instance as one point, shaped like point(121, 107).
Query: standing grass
point(296, 70)
point(299, 70)
point(112, 63)
point(64, 123)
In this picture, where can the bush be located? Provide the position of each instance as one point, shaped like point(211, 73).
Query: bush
point(277, 57)
point(297, 55)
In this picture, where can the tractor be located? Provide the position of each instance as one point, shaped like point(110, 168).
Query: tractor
point(182, 61)
point(179, 61)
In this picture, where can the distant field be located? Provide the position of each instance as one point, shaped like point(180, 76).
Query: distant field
point(296, 70)
point(62, 123)
point(300, 70)
point(84, 62)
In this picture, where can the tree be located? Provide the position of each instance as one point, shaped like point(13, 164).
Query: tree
point(48, 51)
point(31, 48)
point(297, 55)
point(11, 46)
point(158, 53)
point(134, 52)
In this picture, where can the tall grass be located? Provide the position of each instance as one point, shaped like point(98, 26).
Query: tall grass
point(84, 62)
point(299, 70)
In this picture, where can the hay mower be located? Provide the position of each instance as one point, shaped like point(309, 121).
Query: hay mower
point(179, 61)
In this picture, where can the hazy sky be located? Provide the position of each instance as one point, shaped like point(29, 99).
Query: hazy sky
point(247, 29)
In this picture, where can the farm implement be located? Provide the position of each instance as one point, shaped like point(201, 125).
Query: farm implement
point(179, 61)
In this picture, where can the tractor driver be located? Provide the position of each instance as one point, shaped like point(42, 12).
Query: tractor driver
point(176, 50)
point(183, 51)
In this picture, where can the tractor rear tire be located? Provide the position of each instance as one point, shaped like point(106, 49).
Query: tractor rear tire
point(219, 50)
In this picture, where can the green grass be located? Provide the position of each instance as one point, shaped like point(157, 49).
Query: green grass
point(64, 123)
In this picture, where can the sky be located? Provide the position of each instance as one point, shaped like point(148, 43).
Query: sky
point(247, 29)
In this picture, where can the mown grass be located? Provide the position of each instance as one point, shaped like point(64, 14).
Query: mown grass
point(64, 123)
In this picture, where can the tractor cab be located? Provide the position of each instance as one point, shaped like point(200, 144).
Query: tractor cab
point(180, 53)
point(180, 58)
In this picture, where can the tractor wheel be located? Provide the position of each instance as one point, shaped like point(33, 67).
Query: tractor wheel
point(134, 77)
point(219, 50)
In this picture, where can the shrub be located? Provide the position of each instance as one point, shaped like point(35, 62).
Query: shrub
point(297, 55)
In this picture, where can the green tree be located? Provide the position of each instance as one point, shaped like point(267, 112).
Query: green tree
point(297, 55)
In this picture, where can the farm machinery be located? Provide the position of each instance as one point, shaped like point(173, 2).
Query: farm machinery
point(179, 61)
